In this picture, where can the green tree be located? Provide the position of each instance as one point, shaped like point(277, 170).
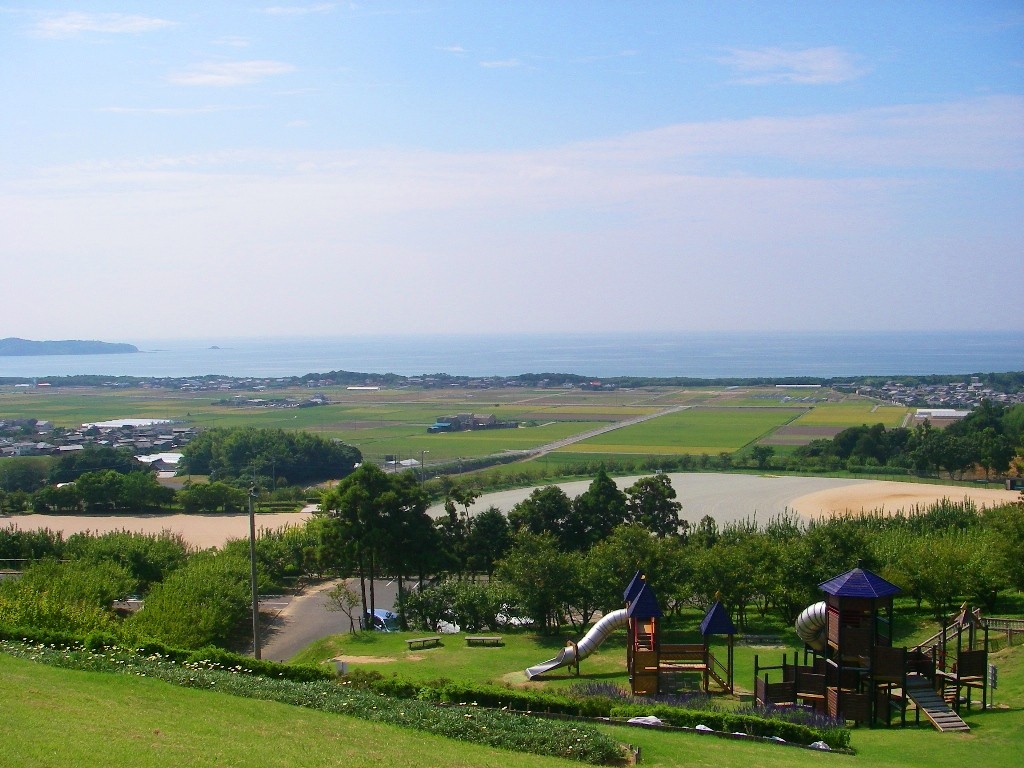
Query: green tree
point(762, 455)
point(489, 540)
point(651, 503)
point(595, 513)
point(546, 510)
point(539, 576)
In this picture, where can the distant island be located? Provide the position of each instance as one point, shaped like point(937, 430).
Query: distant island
point(12, 346)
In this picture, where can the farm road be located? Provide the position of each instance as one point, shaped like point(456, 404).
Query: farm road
point(602, 430)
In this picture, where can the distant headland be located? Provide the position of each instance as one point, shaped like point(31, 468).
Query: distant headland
point(13, 346)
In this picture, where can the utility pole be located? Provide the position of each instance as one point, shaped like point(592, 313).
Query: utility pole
point(252, 576)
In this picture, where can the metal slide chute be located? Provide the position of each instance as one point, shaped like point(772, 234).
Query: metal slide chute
point(812, 626)
point(576, 651)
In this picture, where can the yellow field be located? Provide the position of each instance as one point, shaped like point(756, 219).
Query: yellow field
point(852, 415)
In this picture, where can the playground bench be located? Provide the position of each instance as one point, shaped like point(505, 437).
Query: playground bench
point(423, 642)
point(483, 641)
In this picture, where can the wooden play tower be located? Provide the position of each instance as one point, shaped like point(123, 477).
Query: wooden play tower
point(855, 673)
point(658, 667)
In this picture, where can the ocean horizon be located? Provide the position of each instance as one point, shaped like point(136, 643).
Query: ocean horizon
point(600, 355)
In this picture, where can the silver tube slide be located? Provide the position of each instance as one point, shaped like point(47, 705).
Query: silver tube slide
point(812, 625)
point(586, 646)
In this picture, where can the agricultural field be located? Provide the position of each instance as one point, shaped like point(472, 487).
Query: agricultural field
point(708, 430)
point(393, 422)
point(826, 420)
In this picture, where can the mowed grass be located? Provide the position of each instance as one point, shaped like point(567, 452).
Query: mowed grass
point(695, 430)
point(54, 717)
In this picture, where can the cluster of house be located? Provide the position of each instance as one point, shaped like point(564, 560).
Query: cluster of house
point(958, 395)
point(466, 421)
point(28, 437)
point(241, 401)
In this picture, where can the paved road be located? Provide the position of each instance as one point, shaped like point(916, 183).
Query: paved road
point(300, 620)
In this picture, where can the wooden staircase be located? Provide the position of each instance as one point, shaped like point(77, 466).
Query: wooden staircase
point(936, 709)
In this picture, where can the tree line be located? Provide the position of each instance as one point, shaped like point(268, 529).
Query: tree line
point(100, 479)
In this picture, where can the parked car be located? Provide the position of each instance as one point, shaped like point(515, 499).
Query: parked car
point(381, 620)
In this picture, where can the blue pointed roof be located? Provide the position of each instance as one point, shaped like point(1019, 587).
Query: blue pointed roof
point(634, 587)
point(859, 582)
point(717, 621)
point(645, 605)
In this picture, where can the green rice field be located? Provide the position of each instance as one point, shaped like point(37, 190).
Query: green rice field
point(696, 430)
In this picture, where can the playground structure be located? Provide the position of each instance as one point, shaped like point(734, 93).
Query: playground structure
point(654, 666)
point(854, 673)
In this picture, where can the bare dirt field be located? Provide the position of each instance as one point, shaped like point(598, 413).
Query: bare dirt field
point(892, 496)
point(201, 531)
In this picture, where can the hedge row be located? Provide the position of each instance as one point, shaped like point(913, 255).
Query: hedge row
point(210, 657)
point(836, 737)
point(497, 697)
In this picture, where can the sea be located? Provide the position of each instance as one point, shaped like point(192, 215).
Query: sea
point(598, 355)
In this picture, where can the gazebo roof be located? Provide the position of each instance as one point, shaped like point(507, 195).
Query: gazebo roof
point(635, 585)
point(717, 621)
point(859, 582)
point(645, 605)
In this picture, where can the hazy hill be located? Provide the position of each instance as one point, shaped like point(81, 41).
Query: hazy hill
point(15, 346)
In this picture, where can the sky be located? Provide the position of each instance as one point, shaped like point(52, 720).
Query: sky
point(197, 169)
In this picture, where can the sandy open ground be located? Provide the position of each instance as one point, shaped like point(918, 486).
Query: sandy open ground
point(892, 497)
point(724, 497)
point(200, 531)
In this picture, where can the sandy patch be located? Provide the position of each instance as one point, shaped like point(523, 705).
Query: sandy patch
point(372, 659)
point(201, 531)
point(891, 496)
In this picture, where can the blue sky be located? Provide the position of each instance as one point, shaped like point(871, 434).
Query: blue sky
point(245, 169)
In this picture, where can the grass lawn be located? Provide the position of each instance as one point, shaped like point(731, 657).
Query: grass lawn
point(54, 717)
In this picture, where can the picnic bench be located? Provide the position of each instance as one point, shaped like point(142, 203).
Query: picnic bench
point(475, 640)
point(423, 642)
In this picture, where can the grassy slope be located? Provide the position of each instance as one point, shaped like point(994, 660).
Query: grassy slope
point(54, 717)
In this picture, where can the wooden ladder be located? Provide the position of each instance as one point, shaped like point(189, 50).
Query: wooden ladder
point(934, 707)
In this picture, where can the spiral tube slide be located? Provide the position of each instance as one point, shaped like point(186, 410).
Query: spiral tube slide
point(568, 655)
point(812, 626)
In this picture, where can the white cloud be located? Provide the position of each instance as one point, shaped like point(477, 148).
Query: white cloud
point(172, 111)
point(230, 73)
point(502, 64)
point(638, 231)
point(452, 49)
point(73, 23)
point(233, 41)
point(808, 66)
point(298, 10)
